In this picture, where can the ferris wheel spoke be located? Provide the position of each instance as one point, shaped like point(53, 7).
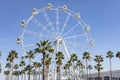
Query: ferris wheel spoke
point(57, 20)
point(77, 44)
point(64, 51)
point(67, 53)
point(71, 29)
point(49, 21)
point(42, 26)
point(29, 45)
point(75, 36)
point(65, 23)
point(35, 33)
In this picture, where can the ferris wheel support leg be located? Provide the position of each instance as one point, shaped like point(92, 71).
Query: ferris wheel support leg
point(67, 53)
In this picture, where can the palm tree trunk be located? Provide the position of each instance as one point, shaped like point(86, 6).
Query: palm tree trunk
point(29, 69)
point(90, 73)
point(39, 74)
point(6, 77)
point(86, 69)
point(69, 73)
point(73, 71)
point(59, 73)
point(98, 74)
point(110, 70)
point(79, 71)
point(11, 71)
point(25, 76)
point(29, 75)
point(43, 66)
point(35, 74)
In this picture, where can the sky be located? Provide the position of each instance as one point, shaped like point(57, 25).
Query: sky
point(102, 15)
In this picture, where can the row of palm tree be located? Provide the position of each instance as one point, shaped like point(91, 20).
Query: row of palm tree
point(99, 59)
point(45, 48)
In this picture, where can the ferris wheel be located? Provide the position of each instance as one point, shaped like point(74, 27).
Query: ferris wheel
point(61, 26)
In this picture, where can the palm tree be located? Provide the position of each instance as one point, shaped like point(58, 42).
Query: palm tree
point(29, 68)
point(69, 64)
point(98, 67)
point(59, 58)
point(8, 66)
point(23, 71)
point(82, 70)
point(90, 68)
point(12, 55)
point(16, 66)
point(47, 64)
point(0, 68)
point(35, 65)
point(6, 73)
point(38, 66)
point(118, 54)
point(30, 56)
point(110, 55)
point(44, 47)
point(22, 64)
point(87, 57)
point(73, 58)
point(79, 64)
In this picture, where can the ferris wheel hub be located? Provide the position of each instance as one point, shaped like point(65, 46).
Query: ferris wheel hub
point(59, 41)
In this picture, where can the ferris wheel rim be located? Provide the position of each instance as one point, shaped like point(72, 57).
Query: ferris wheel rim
point(69, 12)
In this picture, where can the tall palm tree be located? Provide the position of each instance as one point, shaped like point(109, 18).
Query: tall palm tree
point(6, 73)
point(73, 58)
point(87, 57)
point(47, 64)
point(82, 70)
point(29, 68)
point(23, 71)
point(35, 65)
point(118, 54)
point(38, 66)
point(12, 55)
point(59, 58)
point(22, 64)
point(44, 47)
point(110, 56)
point(0, 68)
point(16, 66)
point(90, 68)
point(69, 64)
point(30, 56)
point(98, 67)
point(79, 64)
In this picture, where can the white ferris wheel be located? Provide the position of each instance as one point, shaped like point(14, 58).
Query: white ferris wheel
point(61, 26)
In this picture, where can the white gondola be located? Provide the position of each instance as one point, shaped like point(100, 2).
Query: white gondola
point(77, 15)
point(49, 6)
point(64, 8)
point(18, 41)
point(34, 11)
point(92, 43)
point(87, 27)
point(23, 23)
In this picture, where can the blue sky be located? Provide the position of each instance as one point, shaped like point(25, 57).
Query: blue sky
point(102, 15)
